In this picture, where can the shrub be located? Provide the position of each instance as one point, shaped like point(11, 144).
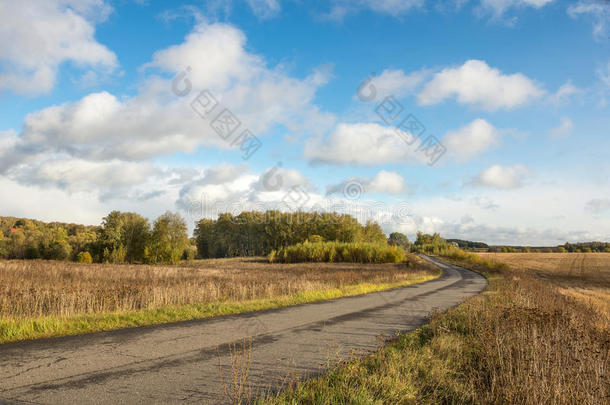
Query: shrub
point(364, 252)
point(189, 253)
point(84, 257)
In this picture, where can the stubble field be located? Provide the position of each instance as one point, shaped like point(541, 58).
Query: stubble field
point(48, 298)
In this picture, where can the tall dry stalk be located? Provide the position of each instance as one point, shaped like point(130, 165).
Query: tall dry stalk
point(240, 356)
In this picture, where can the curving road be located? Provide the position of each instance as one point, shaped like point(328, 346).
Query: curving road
point(178, 363)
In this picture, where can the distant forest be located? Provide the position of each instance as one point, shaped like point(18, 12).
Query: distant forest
point(466, 244)
point(121, 238)
point(127, 237)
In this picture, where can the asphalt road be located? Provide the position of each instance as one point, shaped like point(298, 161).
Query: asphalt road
point(179, 363)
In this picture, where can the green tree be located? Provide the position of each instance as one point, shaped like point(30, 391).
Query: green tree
point(109, 242)
point(168, 239)
point(59, 248)
point(16, 244)
point(204, 238)
point(372, 233)
point(84, 257)
point(399, 239)
point(134, 236)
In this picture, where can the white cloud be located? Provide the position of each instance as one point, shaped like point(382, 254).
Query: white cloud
point(603, 75)
point(39, 35)
point(539, 213)
point(598, 206)
point(362, 144)
point(82, 175)
point(388, 182)
point(156, 122)
point(478, 85)
point(265, 9)
point(564, 129)
point(598, 11)
point(396, 8)
point(497, 8)
point(564, 93)
point(504, 177)
point(391, 82)
point(223, 173)
point(484, 202)
point(277, 178)
point(471, 140)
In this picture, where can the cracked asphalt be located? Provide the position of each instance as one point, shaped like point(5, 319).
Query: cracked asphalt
point(182, 362)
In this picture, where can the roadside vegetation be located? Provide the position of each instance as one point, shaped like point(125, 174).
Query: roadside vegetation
point(52, 298)
point(334, 252)
point(537, 335)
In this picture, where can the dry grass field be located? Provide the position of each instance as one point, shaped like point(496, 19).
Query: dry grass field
point(539, 334)
point(47, 298)
point(582, 276)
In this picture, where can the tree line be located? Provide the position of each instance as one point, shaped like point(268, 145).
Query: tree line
point(123, 237)
point(127, 237)
point(256, 233)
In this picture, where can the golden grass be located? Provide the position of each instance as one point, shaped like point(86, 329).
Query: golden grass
point(523, 341)
point(582, 276)
point(45, 298)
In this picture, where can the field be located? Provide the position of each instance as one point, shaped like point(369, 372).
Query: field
point(582, 276)
point(538, 335)
point(50, 298)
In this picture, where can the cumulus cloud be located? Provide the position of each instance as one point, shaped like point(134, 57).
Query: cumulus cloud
point(223, 173)
point(471, 140)
point(564, 129)
point(480, 86)
point(391, 82)
point(155, 122)
point(203, 191)
point(363, 144)
point(280, 179)
point(504, 177)
point(596, 10)
point(82, 175)
point(39, 35)
point(388, 182)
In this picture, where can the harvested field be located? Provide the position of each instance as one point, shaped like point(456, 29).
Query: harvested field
point(43, 293)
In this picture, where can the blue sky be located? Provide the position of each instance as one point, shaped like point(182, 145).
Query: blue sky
point(515, 93)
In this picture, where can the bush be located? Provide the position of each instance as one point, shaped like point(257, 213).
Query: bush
point(364, 252)
point(84, 257)
point(189, 253)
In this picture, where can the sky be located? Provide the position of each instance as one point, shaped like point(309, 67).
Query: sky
point(485, 120)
